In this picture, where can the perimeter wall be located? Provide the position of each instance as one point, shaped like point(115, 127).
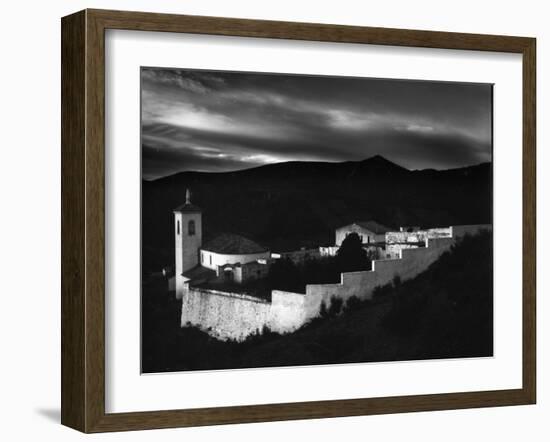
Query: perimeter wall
point(224, 315)
point(236, 316)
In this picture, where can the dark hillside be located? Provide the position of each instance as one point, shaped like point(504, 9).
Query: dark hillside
point(288, 205)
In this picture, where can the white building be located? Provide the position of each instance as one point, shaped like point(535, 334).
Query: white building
point(229, 256)
point(229, 248)
point(368, 231)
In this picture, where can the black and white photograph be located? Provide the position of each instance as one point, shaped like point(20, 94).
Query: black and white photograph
point(294, 220)
point(302, 220)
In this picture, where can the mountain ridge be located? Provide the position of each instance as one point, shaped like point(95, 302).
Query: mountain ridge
point(373, 161)
point(299, 204)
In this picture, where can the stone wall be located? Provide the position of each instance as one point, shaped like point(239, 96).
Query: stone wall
point(236, 316)
point(413, 261)
point(393, 251)
point(471, 229)
point(288, 311)
point(224, 315)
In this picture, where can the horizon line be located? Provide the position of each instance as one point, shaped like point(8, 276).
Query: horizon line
point(313, 161)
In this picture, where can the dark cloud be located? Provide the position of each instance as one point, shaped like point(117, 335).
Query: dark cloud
point(220, 121)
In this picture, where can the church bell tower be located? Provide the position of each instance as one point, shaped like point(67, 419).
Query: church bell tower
point(188, 240)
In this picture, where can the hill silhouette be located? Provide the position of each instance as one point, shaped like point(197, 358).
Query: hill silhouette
point(299, 204)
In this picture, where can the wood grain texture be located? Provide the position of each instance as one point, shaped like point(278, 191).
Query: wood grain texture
point(73, 128)
point(83, 220)
point(95, 222)
point(144, 21)
point(529, 221)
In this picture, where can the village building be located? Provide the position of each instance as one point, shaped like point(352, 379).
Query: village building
point(228, 257)
point(368, 231)
point(208, 278)
point(230, 248)
point(235, 258)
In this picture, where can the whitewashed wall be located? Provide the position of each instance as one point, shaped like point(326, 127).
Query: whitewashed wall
point(212, 260)
point(235, 316)
point(224, 315)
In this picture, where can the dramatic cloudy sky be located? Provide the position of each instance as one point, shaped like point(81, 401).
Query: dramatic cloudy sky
point(221, 121)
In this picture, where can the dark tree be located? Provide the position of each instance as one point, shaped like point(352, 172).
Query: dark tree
point(351, 255)
point(285, 275)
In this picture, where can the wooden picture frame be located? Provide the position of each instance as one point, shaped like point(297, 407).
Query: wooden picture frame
point(83, 220)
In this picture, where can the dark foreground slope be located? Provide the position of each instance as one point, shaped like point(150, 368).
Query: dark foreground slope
point(294, 204)
point(446, 312)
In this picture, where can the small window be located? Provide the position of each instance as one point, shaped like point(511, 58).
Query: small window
point(191, 228)
point(178, 227)
point(210, 259)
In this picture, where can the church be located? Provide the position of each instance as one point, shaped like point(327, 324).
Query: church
point(227, 257)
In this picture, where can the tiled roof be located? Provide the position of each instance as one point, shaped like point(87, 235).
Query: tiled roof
point(187, 208)
point(199, 272)
point(232, 244)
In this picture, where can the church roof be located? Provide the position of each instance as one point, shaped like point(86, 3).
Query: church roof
point(233, 244)
point(372, 226)
point(187, 208)
point(199, 272)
